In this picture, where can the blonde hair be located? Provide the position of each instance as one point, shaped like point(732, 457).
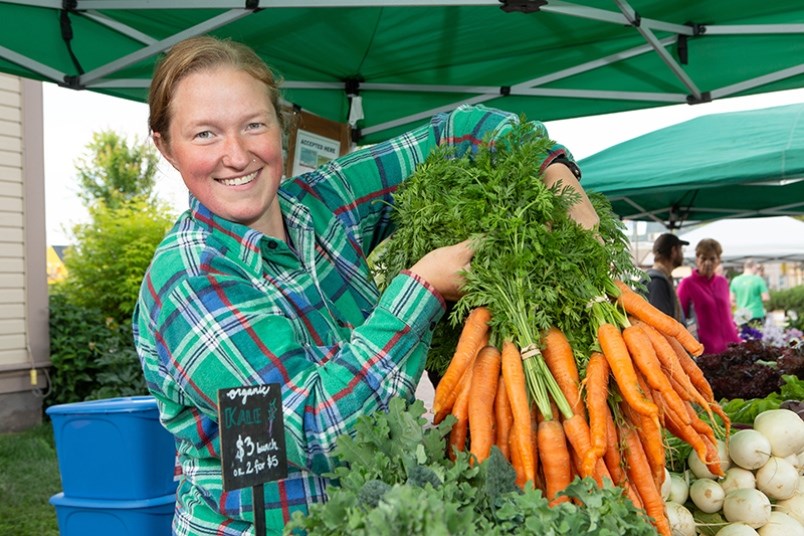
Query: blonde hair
point(198, 54)
point(708, 246)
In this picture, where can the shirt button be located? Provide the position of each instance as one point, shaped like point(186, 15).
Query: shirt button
point(272, 244)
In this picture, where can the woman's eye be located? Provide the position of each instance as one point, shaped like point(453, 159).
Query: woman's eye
point(205, 135)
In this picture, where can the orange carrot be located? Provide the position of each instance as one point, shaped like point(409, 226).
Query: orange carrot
point(503, 418)
point(699, 381)
point(516, 459)
point(689, 342)
point(474, 330)
point(485, 375)
point(560, 360)
point(669, 359)
point(632, 494)
point(689, 366)
point(643, 355)
point(534, 443)
point(639, 475)
point(457, 436)
point(616, 352)
point(698, 442)
point(650, 435)
point(514, 376)
point(698, 424)
point(556, 462)
point(446, 408)
point(636, 305)
point(577, 432)
point(597, 392)
point(612, 454)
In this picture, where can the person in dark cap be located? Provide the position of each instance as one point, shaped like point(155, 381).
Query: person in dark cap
point(668, 254)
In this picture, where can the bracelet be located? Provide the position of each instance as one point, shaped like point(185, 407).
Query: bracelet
point(570, 164)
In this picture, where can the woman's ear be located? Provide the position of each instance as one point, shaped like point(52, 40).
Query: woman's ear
point(163, 148)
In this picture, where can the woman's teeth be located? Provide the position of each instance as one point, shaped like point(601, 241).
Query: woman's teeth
point(237, 181)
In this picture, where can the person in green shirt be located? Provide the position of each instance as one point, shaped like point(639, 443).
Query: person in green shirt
point(749, 294)
point(265, 279)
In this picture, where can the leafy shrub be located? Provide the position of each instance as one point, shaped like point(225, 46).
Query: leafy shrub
point(111, 255)
point(93, 355)
point(791, 301)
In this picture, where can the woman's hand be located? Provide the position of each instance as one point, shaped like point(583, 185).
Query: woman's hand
point(442, 269)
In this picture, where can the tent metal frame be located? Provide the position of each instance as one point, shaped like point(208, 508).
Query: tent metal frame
point(624, 15)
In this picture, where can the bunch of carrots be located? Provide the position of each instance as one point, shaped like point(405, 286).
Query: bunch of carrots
point(608, 417)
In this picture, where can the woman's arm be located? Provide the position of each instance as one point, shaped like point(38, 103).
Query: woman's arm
point(221, 331)
point(582, 212)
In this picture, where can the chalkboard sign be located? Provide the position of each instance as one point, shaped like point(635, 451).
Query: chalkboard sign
point(252, 435)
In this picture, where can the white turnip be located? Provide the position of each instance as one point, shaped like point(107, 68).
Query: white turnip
point(777, 479)
point(738, 478)
point(749, 506)
point(794, 507)
point(665, 491)
point(749, 449)
point(794, 460)
point(679, 488)
point(681, 521)
point(781, 524)
point(783, 428)
point(737, 529)
point(707, 495)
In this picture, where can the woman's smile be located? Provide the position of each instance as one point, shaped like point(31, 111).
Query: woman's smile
point(239, 181)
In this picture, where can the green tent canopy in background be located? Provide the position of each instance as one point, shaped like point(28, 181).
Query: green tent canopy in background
point(726, 165)
point(407, 59)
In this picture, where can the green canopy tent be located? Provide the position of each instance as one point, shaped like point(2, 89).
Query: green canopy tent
point(727, 165)
point(407, 59)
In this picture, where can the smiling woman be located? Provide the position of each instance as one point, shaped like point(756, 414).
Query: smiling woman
point(267, 283)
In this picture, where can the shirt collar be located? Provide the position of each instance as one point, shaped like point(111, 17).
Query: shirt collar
point(247, 242)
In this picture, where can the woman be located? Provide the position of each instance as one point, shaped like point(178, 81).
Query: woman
point(264, 281)
point(706, 293)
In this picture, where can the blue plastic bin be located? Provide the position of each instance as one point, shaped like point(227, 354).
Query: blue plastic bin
point(93, 517)
point(113, 449)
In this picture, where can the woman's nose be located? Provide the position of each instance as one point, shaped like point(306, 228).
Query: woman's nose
point(236, 155)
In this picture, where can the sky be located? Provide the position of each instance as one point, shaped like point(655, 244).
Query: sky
point(71, 118)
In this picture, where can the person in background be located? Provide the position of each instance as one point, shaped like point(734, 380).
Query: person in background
point(265, 280)
point(668, 254)
point(705, 295)
point(749, 294)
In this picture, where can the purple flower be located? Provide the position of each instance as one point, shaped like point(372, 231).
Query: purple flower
point(747, 333)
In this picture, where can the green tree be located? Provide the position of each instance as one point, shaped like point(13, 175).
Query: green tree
point(114, 171)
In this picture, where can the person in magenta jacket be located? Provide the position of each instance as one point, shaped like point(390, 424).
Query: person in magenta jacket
point(704, 296)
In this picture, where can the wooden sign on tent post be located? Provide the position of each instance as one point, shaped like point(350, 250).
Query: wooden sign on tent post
point(312, 141)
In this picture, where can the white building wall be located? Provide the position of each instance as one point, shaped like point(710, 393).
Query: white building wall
point(24, 339)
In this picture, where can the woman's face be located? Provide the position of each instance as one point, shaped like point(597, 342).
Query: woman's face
point(225, 140)
point(707, 263)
